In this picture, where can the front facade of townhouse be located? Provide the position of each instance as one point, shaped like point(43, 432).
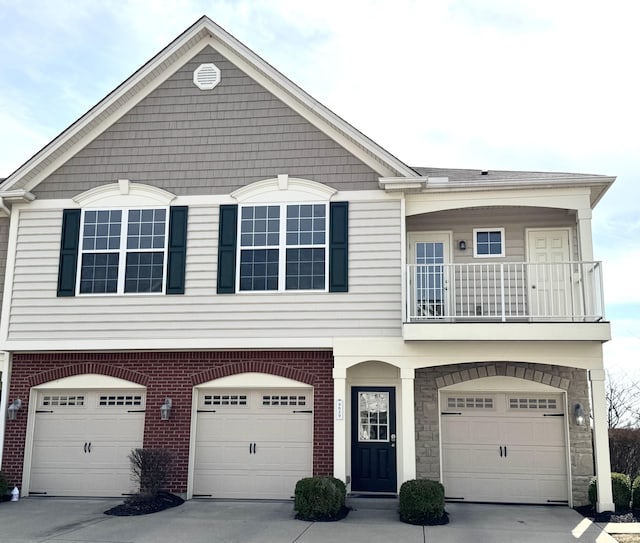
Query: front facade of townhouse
point(211, 241)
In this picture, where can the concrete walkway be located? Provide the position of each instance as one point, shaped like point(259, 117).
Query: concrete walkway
point(58, 520)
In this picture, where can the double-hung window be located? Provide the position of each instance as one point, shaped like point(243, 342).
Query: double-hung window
point(283, 247)
point(123, 251)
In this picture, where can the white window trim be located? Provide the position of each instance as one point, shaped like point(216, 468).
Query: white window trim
point(123, 251)
point(282, 249)
point(476, 231)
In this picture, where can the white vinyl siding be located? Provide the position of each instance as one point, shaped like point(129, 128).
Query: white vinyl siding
point(372, 307)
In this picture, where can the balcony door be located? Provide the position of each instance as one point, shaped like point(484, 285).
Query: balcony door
point(550, 274)
point(429, 253)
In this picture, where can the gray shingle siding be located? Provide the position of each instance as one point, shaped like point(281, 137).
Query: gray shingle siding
point(189, 141)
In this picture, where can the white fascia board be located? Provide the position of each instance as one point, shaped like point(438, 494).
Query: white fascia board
point(559, 198)
point(348, 352)
point(526, 331)
point(597, 185)
point(214, 200)
point(305, 344)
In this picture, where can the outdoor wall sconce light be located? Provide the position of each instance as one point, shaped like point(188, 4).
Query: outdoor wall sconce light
point(462, 245)
point(165, 409)
point(579, 415)
point(13, 408)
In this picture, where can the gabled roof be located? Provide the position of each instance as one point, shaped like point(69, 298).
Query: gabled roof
point(200, 35)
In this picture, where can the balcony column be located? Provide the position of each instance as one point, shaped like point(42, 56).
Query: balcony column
point(340, 424)
point(407, 430)
point(585, 238)
point(601, 441)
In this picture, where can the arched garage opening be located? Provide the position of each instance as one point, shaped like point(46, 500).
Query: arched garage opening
point(81, 431)
point(252, 437)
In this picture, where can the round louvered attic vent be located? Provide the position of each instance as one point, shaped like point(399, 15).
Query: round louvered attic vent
point(206, 76)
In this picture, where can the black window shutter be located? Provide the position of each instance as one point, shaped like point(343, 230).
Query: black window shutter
point(339, 246)
point(227, 239)
point(69, 252)
point(176, 266)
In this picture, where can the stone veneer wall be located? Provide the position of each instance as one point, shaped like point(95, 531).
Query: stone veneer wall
point(572, 380)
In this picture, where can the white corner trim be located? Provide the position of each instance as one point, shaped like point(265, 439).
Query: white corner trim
point(89, 381)
point(124, 193)
point(283, 189)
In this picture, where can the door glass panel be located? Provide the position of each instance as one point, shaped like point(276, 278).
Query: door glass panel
point(430, 284)
point(374, 420)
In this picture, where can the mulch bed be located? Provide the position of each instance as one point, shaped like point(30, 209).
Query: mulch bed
point(609, 516)
point(444, 519)
point(342, 513)
point(143, 505)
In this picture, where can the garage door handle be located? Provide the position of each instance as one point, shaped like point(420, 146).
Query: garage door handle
point(500, 451)
point(90, 446)
point(254, 448)
point(505, 451)
point(85, 447)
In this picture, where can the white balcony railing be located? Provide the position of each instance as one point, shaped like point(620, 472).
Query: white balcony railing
point(510, 291)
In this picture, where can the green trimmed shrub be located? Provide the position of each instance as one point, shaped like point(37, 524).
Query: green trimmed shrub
point(4, 486)
point(621, 488)
point(635, 493)
point(319, 498)
point(422, 502)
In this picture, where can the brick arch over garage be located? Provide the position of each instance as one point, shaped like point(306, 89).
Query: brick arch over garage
point(254, 367)
point(88, 368)
point(503, 369)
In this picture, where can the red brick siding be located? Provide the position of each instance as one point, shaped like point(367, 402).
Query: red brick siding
point(172, 375)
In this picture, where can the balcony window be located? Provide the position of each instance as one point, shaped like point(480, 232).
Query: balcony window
point(488, 243)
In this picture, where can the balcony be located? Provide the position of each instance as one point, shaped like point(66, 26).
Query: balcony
point(509, 292)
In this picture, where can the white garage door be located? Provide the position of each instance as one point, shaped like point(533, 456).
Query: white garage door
point(252, 443)
point(82, 440)
point(503, 447)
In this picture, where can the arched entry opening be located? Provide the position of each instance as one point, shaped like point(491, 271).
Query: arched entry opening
point(374, 398)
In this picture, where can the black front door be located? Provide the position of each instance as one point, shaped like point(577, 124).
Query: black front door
point(373, 439)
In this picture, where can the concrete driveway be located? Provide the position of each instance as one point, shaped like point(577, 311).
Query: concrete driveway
point(59, 520)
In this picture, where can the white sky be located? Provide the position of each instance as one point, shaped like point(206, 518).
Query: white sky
point(489, 84)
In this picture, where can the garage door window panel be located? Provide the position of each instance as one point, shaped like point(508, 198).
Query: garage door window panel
point(62, 400)
point(120, 401)
point(222, 400)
